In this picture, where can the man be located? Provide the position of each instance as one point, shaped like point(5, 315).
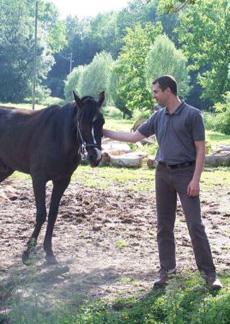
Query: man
point(180, 134)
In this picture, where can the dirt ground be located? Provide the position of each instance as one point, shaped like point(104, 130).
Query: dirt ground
point(104, 240)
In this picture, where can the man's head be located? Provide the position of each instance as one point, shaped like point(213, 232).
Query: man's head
point(164, 88)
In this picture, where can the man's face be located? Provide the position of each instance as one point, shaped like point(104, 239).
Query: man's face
point(161, 96)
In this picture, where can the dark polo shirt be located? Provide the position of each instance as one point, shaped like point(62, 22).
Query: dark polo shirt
point(175, 133)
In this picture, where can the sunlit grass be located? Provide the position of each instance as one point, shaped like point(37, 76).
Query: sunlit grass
point(141, 179)
point(119, 125)
point(215, 138)
point(47, 102)
point(110, 177)
point(212, 177)
point(22, 105)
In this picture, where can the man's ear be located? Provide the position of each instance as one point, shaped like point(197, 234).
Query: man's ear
point(101, 98)
point(77, 100)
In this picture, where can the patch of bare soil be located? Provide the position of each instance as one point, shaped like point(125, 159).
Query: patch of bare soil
point(104, 240)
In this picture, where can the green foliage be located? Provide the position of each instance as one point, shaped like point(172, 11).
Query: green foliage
point(113, 88)
point(17, 47)
point(16, 50)
point(95, 76)
point(220, 119)
point(165, 58)
point(170, 6)
point(73, 82)
point(185, 300)
point(112, 112)
point(129, 69)
point(204, 35)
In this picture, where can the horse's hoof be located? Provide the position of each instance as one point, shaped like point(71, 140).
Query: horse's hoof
point(25, 258)
point(51, 260)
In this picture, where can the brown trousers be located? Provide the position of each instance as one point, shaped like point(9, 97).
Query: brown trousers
point(169, 183)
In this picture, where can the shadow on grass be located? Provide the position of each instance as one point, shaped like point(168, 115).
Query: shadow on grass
point(42, 294)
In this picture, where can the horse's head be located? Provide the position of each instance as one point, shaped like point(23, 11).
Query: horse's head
point(89, 126)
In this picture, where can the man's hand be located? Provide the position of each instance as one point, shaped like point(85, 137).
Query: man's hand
point(193, 189)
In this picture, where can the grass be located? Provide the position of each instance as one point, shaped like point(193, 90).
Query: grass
point(47, 102)
point(141, 180)
point(118, 124)
point(215, 138)
point(185, 300)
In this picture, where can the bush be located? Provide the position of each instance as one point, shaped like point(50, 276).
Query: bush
point(220, 119)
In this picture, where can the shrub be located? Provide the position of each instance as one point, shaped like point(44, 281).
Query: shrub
point(220, 119)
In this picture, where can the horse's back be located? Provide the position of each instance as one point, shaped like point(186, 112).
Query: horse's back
point(34, 139)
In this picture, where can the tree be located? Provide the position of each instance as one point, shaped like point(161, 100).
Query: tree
point(129, 70)
point(73, 82)
point(17, 47)
point(95, 76)
point(204, 35)
point(89, 36)
point(171, 6)
point(164, 58)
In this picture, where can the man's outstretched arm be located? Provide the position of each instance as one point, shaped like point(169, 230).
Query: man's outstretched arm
point(124, 136)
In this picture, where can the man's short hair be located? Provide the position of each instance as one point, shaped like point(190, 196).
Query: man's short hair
point(167, 81)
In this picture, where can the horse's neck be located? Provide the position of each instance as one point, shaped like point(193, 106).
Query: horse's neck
point(69, 129)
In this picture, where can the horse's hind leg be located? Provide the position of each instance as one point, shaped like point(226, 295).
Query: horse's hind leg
point(39, 186)
point(58, 190)
point(4, 175)
point(5, 171)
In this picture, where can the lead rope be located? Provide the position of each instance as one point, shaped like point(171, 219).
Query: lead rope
point(82, 149)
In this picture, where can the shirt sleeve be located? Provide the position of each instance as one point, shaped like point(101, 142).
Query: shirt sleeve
point(198, 130)
point(148, 127)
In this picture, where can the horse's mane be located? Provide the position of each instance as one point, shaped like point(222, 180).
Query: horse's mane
point(90, 109)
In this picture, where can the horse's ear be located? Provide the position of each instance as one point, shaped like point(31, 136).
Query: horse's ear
point(77, 100)
point(101, 98)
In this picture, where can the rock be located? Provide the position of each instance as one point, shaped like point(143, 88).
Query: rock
point(130, 160)
point(222, 147)
point(105, 159)
point(115, 147)
point(151, 163)
point(218, 158)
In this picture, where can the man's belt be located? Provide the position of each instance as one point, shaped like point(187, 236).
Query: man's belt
point(176, 166)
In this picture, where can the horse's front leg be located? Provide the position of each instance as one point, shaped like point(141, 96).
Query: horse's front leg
point(58, 190)
point(39, 186)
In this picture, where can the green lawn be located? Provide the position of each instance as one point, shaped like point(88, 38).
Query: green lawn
point(47, 102)
point(185, 300)
point(215, 138)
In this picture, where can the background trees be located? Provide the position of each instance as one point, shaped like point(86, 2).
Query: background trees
point(90, 79)
point(17, 46)
point(118, 51)
point(130, 68)
point(204, 35)
point(164, 58)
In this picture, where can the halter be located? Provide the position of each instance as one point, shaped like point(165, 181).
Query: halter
point(83, 144)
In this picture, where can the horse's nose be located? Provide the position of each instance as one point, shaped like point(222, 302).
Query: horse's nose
point(94, 156)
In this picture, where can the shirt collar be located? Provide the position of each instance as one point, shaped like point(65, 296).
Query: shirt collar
point(177, 111)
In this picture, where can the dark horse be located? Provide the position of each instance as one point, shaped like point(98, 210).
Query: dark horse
point(48, 144)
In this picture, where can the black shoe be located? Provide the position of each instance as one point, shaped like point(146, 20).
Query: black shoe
point(163, 278)
point(212, 281)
